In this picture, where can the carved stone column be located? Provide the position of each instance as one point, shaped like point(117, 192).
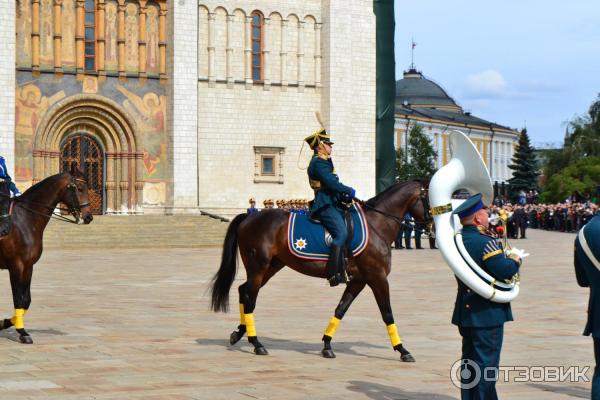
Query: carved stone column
point(35, 35)
point(300, 54)
point(124, 182)
point(211, 49)
point(80, 37)
point(139, 182)
point(142, 39)
point(229, 51)
point(284, 28)
point(101, 56)
point(318, 57)
point(266, 51)
point(110, 183)
point(57, 35)
point(248, 51)
point(162, 40)
point(121, 38)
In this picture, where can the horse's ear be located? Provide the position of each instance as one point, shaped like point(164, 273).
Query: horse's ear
point(75, 171)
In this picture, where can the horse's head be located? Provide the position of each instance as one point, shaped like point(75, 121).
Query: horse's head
point(419, 209)
point(75, 196)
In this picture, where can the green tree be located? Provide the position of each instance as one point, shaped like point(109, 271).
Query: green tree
point(419, 163)
point(582, 177)
point(524, 166)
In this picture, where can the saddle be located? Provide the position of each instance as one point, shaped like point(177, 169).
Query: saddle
point(5, 220)
point(308, 238)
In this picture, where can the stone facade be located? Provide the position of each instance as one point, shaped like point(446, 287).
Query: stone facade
point(200, 103)
point(7, 80)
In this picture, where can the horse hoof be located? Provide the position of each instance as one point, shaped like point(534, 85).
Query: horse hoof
point(234, 337)
point(327, 353)
point(261, 351)
point(26, 339)
point(407, 358)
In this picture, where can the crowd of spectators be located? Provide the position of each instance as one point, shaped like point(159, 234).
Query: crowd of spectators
point(569, 216)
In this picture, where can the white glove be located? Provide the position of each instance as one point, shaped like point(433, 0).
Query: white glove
point(518, 252)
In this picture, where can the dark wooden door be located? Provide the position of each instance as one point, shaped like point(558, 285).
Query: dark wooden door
point(86, 153)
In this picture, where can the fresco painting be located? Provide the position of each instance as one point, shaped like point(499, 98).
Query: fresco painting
point(111, 51)
point(152, 55)
point(68, 35)
point(46, 34)
point(149, 112)
point(23, 33)
point(131, 38)
point(31, 105)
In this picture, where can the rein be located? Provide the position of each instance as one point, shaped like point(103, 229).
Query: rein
point(424, 199)
point(53, 214)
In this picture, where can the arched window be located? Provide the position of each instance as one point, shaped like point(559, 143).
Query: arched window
point(257, 46)
point(90, 35)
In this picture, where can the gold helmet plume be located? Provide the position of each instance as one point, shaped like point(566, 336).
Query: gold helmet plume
point(319, 136)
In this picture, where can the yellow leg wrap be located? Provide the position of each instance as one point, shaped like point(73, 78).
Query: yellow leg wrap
point(17, 320)
point(250, 328)
point(393, 332)
point(332, 327)
point(242, 320)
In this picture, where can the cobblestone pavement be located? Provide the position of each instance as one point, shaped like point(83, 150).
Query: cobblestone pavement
point(135, 325)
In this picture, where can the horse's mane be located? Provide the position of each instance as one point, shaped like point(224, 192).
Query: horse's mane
point(41, 185)
point(374, 201)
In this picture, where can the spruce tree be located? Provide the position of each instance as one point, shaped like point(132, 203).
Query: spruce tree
point(419, 163)
point(524, 166)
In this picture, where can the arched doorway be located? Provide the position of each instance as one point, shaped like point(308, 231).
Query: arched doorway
point(85, 151)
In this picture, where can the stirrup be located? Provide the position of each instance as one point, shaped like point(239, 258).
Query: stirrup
point(334, 280)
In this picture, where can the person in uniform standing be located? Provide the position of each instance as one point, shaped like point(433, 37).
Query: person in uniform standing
point(252, 209)
point(587, 272)
point(407, 230)
point(481, 321)
point(328, 205)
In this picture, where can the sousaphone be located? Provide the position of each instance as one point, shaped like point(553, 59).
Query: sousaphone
point(466, 170)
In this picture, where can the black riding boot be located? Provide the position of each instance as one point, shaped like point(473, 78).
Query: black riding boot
point(336, 272)
point(5, 221)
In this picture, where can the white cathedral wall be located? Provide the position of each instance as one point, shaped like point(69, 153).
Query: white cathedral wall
point(234, 120)
point(308, 68)
point(7, 81)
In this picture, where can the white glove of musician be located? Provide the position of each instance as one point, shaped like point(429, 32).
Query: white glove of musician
point(518, 252)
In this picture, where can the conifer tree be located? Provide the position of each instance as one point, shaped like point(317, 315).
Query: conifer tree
point(524, 166)
point(419, 161)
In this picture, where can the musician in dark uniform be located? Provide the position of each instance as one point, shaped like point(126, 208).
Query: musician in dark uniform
point(328, 205)
point(479, 320)
point(587, 271)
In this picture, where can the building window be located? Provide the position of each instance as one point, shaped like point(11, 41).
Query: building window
point(90, 35)
point(257, 46)
point(268, 164)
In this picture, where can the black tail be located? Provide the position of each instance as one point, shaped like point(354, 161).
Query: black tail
point(223, 279)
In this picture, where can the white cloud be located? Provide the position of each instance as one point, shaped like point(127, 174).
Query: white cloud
point(486, 84)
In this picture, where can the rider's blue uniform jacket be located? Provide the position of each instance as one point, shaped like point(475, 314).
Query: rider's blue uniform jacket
point(326, 184)
point(470, 309)
point(4, 175)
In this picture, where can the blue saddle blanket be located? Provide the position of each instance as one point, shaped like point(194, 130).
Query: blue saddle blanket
point(310, 240)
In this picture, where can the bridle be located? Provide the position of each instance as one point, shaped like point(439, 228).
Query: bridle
point(74, 210)
point(427, 221)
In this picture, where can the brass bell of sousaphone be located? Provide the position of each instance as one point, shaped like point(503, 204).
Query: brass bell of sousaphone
point(466, 170)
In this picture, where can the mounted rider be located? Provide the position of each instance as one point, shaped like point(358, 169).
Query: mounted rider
point(328, 206)
point(8, 189)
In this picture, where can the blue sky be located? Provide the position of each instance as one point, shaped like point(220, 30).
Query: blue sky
point(507, 61)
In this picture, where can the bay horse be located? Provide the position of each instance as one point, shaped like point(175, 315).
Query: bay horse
point(262, 241)
point(22, 247)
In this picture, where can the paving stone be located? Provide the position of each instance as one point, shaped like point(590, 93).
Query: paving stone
point(135, 324)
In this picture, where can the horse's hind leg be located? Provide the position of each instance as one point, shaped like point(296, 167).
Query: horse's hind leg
point(381, 290)
point(20, 281)
point(352, 291)
point(241, 329)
